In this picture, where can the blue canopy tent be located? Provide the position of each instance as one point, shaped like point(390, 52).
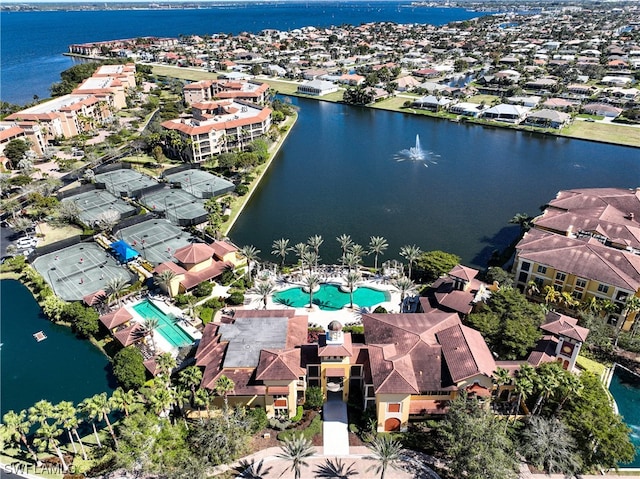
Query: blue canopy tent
point(124, 251)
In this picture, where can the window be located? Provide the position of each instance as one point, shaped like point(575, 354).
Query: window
point(523, 277)
point(314, 383)
point(368, 391)
point(542, 269)
point(525, 266)
point(560, 276)
point(581, 283)
point(577, 295)
point(539, 283)
point(603, 288)
point(356, 370)
point(313, 371)
point(393, 407)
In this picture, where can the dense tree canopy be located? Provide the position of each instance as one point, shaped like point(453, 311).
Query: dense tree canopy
point(15, 150)
point(509, 323)
point(433, 264)
point(128, 368)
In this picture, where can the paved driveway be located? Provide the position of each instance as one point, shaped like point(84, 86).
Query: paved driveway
point(334, 428)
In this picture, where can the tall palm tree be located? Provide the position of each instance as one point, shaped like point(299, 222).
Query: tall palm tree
point(386, 452)
point(164, 280)
point(264, 289)
point(352, 279)
point(501, 377)
point(311, 259)
point(41, 412)
point(165, 364)
point(191, 304)
point(160, 400)
point(300, 249)
point(100, 408)
point(223, 386)
point(46, 438)
point(405, 286)
point(280, 248)
point(296, 450)
point(66, 415)
point(310, 283)
point(377, 246)
point(352, 260)
point(314, 243)
point(546, 383)
point(16, 426)
point(191, 377)
point(150, 325)
point(122, 400)
point(411, 254)
point(631, 306)
point(116, 288)
point(570, 386)
point(345, 243)
point(524, 386)
point(250, 253)
point(203, 398)
point(357, 250)
point(87, 409)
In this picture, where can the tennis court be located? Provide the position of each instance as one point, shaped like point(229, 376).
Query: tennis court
point(177, 205)
point(94, 204)
point(201, 183)
point(156, 240)
point(124, 182)
point(79, 270)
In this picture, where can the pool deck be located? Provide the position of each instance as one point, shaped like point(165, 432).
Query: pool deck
point(323, 318)
point(162, 345)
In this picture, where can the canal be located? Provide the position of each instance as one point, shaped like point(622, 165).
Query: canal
point(59, 368)
point(341, 171)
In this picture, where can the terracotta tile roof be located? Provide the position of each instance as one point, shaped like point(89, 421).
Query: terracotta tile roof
point(244, 381)
point(466, 353)
point(345, 349)
point(193, 253)
point(222, 248)
point(194, 278)
point(586, 259)
point(11, 132)
point(428, 406)
point(279, 365)
point(463, 272)
point(130, 334)
point(116, 318)
point(94, 298)
point(562, 325)
point(545, 351)
point(171, 266)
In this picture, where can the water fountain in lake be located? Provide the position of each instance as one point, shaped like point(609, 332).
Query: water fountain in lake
point(417, 153)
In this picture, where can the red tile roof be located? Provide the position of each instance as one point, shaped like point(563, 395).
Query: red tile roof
point(279, 365)
point(343, 349)
point(465, 352)
point(116, 318)
point(194, 253)
point(562, 325)
point(130, 334)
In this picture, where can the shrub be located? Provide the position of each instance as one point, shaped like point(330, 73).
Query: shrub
point(128, 368)
point(258, 419)
point(355, 329)
point(227, 277)
point(203, 289)
point(380, 310)
point(236, 298)
point(242, 189)
point(214, 303)
point(180, 299)
point(314, 428)
point(206, 315)
point(279, 424)
point(299, 413)
point(314, 398)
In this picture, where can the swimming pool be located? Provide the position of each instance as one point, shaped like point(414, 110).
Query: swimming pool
point(330, 298)
point(625, 388)
point(167, 328)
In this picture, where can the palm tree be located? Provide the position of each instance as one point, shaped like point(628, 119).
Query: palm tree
point(66, 414)
point(46, 437)
point(190, 377)
point(523, 220)
point(264, 289)
point(377, 246)
point(122, 400)
point(250, 252)
point(203, 398)
point(280, 248)
point(87, 409)
point(386, 452)
point(551, 295)
point(164, 280)
point(41, 412)
point(546, 383)
point(191, 304)
point(570, 386)
point(99, 408)
point(116, 288)
point(150, 325)
point(314, 243)
point(296, 450)
point(223, 386)
point(165, 364)
point(411, 254)
point(160, 400)
point(352, 260)
point(405, 286)
point(352, 279)
point(524, 385)
point(357, 250)
point(501, 377)
point(632, 306)
point(310, 283)
point(16, 426)
point(311, 259)
point(300, 249)
point(345, 243)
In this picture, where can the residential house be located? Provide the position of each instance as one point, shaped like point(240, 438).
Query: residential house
point(547, 118)
point(317, 88)
point(506, 113)
point(432, 103)
point(602, 109)
point(466, 109)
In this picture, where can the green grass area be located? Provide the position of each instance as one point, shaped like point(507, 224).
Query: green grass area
point(487, 99)
point(591, 365)
point(183, 73)
point(314, 428)
point(605, 132)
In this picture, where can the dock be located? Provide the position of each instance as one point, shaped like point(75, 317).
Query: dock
point(40, 336)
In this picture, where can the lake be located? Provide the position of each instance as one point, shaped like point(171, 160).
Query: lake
point(338, 173)
point(60, 368)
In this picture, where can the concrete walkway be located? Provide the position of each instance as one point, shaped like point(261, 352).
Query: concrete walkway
point(334, 428)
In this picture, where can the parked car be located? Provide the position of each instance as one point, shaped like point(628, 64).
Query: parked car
point(26, 242)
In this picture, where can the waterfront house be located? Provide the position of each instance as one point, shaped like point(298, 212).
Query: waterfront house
point(602, 109)
point(432, 103)
point(466, 109)
point(506, 113)
point(208, 90)
point(218, 126)
point(317, 88)
point(547, 118)
point(586, 243)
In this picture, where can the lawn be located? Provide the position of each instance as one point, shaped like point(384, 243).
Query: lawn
point(591, 365)
point(183, 73)
point(53, 233)
point(606, 132)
